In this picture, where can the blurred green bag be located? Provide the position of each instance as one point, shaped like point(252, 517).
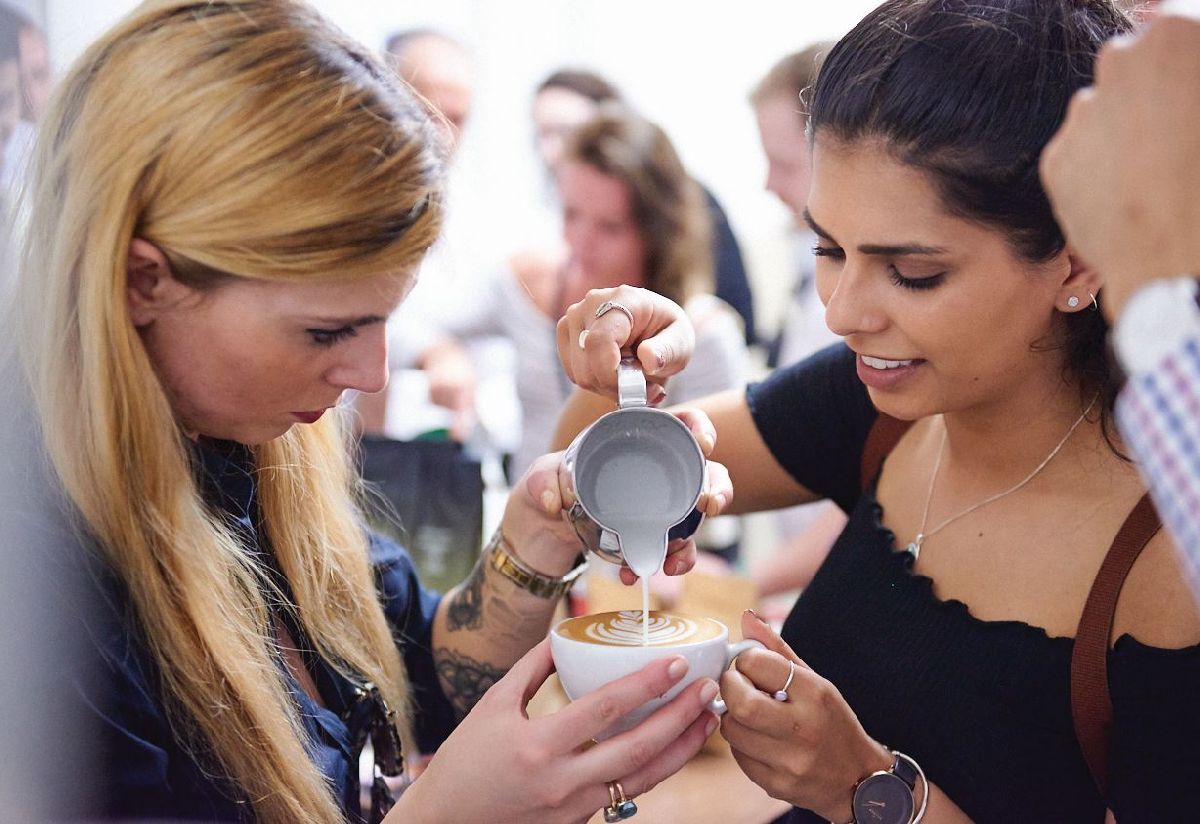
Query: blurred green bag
point(429, 498)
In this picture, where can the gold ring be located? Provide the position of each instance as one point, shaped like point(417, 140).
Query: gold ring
point(620, 807)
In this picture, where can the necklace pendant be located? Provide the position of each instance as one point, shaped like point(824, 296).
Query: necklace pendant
point(914, 549)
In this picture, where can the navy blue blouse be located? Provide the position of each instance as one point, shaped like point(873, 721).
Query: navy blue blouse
point(146, 771)
point(983, 706)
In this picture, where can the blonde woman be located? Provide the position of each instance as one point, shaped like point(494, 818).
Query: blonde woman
point(229, 199)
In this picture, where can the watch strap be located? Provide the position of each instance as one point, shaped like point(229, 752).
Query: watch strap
point(502, 558)
point(904, 769)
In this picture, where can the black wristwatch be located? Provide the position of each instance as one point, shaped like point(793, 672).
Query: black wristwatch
point(886, 797)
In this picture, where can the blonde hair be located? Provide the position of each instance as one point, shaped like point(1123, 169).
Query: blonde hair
point(244, 139)
point(667, 205)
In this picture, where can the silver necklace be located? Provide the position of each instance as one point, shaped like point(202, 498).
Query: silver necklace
point(914, 548)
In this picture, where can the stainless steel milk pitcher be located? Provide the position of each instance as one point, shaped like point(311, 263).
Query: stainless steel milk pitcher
point(637, 474)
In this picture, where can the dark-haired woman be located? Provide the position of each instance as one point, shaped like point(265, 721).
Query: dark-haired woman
point(965, 428)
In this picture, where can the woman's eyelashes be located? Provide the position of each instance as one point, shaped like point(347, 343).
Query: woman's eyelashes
point(894, 275)
point(926, 282)
point(328, 337)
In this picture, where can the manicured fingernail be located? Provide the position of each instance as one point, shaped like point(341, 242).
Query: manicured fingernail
point(660, 358)
point(678, 667)
point(757, 617)
point(711, 726)
point(583, 336)
point(549, 502)
point(708, 692)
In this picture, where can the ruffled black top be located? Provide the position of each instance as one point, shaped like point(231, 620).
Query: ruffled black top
point(983, 706)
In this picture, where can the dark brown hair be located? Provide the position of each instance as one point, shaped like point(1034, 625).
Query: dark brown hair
point(970, 92)
point(667, 204)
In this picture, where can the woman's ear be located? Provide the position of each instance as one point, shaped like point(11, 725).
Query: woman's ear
point(151, 286)
point(1080, 287)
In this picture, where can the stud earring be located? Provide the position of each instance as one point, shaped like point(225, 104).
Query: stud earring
point(1072, 302)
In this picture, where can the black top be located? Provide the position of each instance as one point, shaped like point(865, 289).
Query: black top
point(983, 706)
point(145, 771)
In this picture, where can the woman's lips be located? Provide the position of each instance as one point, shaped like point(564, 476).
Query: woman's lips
point(308, 417)
point(885, 373)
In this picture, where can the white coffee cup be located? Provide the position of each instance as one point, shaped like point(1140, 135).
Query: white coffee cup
point(587, 660)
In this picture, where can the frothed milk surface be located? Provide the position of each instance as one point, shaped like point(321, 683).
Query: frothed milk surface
point(624, 629)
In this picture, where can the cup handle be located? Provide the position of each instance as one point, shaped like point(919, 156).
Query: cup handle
point(717, 706)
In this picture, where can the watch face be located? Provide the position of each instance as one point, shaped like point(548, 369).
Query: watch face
point(883, 799)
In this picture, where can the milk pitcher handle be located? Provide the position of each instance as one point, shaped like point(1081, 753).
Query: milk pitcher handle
point(631, 384)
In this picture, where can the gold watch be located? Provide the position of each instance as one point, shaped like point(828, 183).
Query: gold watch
point(504, 560)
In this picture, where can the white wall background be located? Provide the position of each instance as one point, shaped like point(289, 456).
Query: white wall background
point(687, 65)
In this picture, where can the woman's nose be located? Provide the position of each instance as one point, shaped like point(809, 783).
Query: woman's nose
point(852, 302)
point(364, 366)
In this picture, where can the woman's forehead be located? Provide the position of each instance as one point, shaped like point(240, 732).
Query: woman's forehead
point(863, 183)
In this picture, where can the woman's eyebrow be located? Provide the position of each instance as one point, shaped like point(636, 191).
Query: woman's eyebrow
point(365, 320)
point(889, 250)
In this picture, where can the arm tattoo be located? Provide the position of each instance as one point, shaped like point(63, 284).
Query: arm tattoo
point(464, 680)
point(465, 610)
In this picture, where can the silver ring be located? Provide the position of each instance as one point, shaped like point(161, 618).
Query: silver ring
point(609, 305)
point(620, 807)
point(781, 695)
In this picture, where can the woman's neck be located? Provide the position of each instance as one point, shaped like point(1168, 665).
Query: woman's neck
point(1014, 433)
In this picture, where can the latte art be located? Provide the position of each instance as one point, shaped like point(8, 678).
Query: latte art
point(624, 629)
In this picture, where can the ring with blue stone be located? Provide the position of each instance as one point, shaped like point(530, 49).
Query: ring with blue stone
point(620, 807)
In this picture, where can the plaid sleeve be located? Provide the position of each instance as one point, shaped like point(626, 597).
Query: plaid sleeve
point(1158, 413)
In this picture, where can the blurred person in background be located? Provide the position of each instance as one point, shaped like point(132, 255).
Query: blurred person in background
point(630, 215)
point(440, 69)
point(437, 379)
point(565, 100)
point(16, 135)
point(36, 76)
point(779, 99)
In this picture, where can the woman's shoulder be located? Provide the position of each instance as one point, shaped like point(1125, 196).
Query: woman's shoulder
point(826, 380)
point(814, 417)
point(536, 272)
point(1158, 605)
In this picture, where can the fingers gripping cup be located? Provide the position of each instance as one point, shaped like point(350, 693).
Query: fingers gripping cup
point(592, 650)
point(637, 474)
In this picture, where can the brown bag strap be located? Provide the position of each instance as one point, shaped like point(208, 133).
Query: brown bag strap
point(883, 436)
point(1091, 705)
